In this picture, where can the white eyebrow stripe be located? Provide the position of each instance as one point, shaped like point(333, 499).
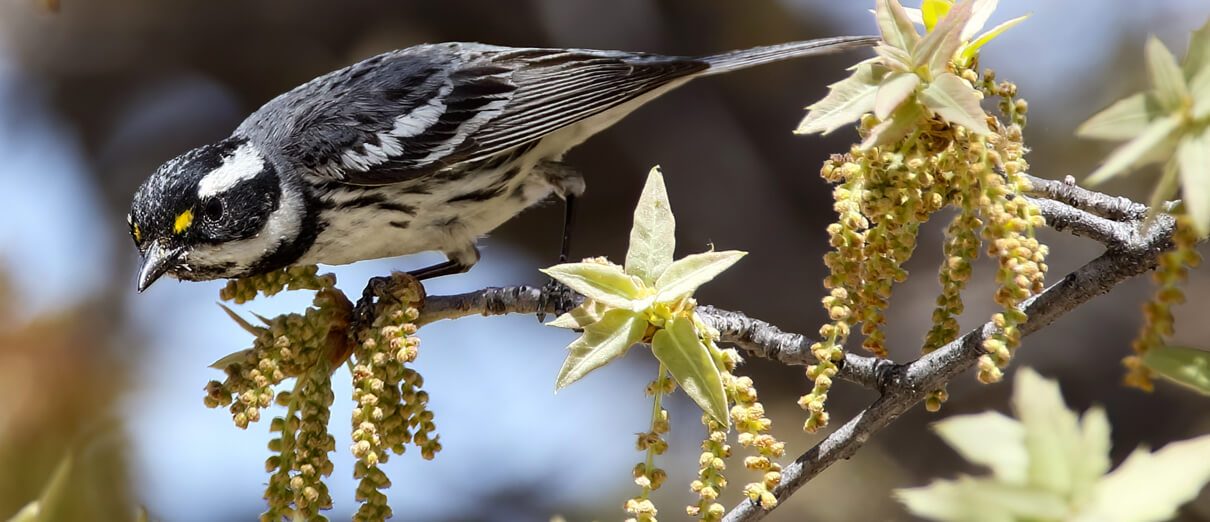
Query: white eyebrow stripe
point(245, 163)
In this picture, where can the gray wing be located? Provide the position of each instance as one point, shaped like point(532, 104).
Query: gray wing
point(409, 113)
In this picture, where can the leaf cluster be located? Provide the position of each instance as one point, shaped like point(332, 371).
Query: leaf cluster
point(1050, 464)
point(912, 76)
point(648, 300)
point(1169, 124)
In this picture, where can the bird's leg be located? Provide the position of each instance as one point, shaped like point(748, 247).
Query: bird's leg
point(450, 267)
point(457, 261)
point(568, 185)
point(568, 216)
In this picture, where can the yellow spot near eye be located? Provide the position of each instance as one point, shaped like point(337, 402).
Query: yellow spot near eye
point(183, 221)
point(138, 234)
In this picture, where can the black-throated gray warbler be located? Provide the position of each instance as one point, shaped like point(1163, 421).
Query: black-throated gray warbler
point(424, 148)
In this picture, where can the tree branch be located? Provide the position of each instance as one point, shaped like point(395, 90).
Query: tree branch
point(754, 336)
point(909, 384)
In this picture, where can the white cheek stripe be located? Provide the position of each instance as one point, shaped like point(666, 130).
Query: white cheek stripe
point(244, 164)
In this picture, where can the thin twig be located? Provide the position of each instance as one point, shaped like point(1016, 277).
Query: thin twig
point(1067, 192)
point(1065, 218)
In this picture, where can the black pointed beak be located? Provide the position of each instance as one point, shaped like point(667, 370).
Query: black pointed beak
point(156, 263)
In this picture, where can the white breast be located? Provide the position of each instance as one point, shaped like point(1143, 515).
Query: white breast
point(434, 222)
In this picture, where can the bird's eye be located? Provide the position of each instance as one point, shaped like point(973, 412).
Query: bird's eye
point(212, 209)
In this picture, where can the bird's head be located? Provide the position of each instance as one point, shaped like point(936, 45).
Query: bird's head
point(216, 211)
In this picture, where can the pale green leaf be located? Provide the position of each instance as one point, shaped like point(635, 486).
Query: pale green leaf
point(969, 51)
point(1185, 366)
point(1166, 75)
point(1092, 460)
point(892, 129)
point(1193, 155)
point(989, 439)
point(1051, 431)
point(956, 102)
point(677, 346)
point(692, 271)
point(897, 29)
point(652, 237)
point(938, 46)
point(895, 89)
point(605, 283)
point(846, 102)
point(894, 58)
point(240, 357)
point(1154, 142)
point(603, 341)
point(982, 500)
point(1151, 486)
point(581, 316)
point(1125, 119)
point(913, 14)
point(981, 12)
point(933, 10)
point(1197, 71)
point(1197, 59)
point(1199, 90)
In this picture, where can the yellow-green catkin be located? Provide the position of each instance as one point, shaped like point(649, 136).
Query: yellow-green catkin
point(286, 346)
point(847, 238)
point(390, 410)
point(882, 197)
point(646, 475)
point(710, 479)
point(961, 247)
point(314, 444)
point(278, 494)
point(752, 426)
point(297, 346)
point(296, 489)
point(1171, 271)
point(1010, 221)
point(246, 289)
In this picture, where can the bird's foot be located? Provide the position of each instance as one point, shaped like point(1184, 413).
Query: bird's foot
point(379, 288)
point(556, 296)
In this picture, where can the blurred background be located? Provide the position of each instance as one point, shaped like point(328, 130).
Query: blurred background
point(95, 96)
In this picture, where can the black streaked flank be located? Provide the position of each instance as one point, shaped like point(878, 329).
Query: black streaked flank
point(478, 195)
point(398, 207)
point(365, 201)
point(510, 174)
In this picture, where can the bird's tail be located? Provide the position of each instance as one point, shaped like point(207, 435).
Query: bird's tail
point(726, 62)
